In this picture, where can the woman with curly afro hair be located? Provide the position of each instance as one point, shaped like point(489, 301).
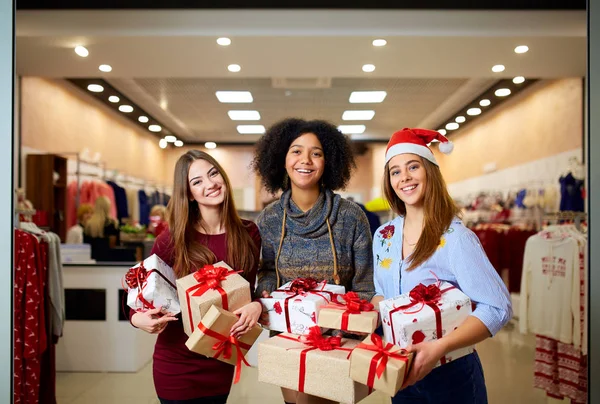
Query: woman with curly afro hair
point(310, 231)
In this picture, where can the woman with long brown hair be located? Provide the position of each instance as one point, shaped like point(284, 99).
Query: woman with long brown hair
point(427, 242)
point(204, 228)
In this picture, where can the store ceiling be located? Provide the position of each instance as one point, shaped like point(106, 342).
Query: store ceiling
point(299, 63)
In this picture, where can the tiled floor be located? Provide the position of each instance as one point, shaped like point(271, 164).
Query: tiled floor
point(507, 361)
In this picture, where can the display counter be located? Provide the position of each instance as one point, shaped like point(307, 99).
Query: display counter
point(97, 336)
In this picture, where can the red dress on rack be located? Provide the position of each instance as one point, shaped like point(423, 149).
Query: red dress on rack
point(180, 374)
point(30, 339)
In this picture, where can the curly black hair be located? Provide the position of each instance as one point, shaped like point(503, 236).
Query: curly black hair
point(272, 147)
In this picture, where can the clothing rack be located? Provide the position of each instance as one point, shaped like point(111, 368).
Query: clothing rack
point(567, 215)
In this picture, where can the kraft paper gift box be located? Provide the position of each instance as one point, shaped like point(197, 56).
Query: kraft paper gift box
point(425, 314)
point(380, 365)
point(150, 284)
point(302, 366)
point(216, 284)
point(349, 312)
point(211, 337)
point(294, 307)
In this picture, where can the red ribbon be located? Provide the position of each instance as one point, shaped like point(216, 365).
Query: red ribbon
point(303, 286)
point(209, 277)
point(353, 305)
point(427, 296)
point(314, 340)
point(380, 359)
point(224, 347)
point(136, 277)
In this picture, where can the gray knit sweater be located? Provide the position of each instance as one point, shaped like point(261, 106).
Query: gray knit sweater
point(306, 249)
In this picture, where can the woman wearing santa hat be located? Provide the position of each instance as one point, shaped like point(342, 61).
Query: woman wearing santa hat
point(427, 242)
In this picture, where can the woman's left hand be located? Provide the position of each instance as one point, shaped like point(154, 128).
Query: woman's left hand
point(249, 315)
point(427, 354)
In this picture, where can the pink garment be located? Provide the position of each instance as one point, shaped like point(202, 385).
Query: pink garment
point(71, 204)
point(88, 193)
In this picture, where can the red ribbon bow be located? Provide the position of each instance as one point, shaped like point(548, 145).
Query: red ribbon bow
point(136, 276)
point(354, 304)
point(224, 346)
point(302, 285)
point(380, 359)
point(317, 340)
point(209, 277)
point(425, 295)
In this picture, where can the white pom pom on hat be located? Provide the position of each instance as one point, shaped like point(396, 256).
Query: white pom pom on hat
point(415, 141)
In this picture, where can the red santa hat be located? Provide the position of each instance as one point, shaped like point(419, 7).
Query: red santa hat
point(415, 141)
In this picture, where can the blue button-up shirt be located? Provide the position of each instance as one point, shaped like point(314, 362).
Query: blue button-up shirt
point(459, 259)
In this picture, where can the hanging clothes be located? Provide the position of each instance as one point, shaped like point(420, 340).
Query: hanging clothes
point(560, 305)
point(133, 202)
point(120, 201)
point(571, 193)
point(144, 207)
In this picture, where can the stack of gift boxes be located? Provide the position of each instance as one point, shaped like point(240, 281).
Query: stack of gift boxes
point(304, 356)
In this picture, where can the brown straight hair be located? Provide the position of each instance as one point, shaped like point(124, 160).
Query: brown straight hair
point(439, 208)
point(183, 215)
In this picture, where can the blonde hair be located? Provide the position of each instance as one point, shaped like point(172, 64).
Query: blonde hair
point(158, 210)
point(95, 226)
point(83, 210)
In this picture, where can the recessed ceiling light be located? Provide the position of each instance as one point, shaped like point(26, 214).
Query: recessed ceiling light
point(170, 138)
point(442, 131)
point(105, 68)
point(521, 49)
point(210, 145)
point(143, 119)
point(234, 96)
point(502, 92)
point(485, 102)
point(358, 115)
point(114, 98)
point(251, 129)
point(234, 68)
point(178, 143)
point(162, 143)
point(82, 51)
point(352, 129)
point(498, 68)
point(126, 108)
point(452, 126)
point(156, 128)
point(519, 80)
point(460, 119)
point(379, 42)
point(473, 111)
point(244, 115)
point(95, 88)
point(224, 41)
point(368, 68)
point(358, 97)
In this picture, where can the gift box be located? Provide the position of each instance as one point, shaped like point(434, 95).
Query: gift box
point(216, 284)
point(313, 364)
point(380, 365)
point(349, 312)
point(294, 307)
point(151, 284)
point(212, 338)
point(426, 313)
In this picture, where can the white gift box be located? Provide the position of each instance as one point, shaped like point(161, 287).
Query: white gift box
point(157, 286)
point(407, 322)
point(297, 312)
